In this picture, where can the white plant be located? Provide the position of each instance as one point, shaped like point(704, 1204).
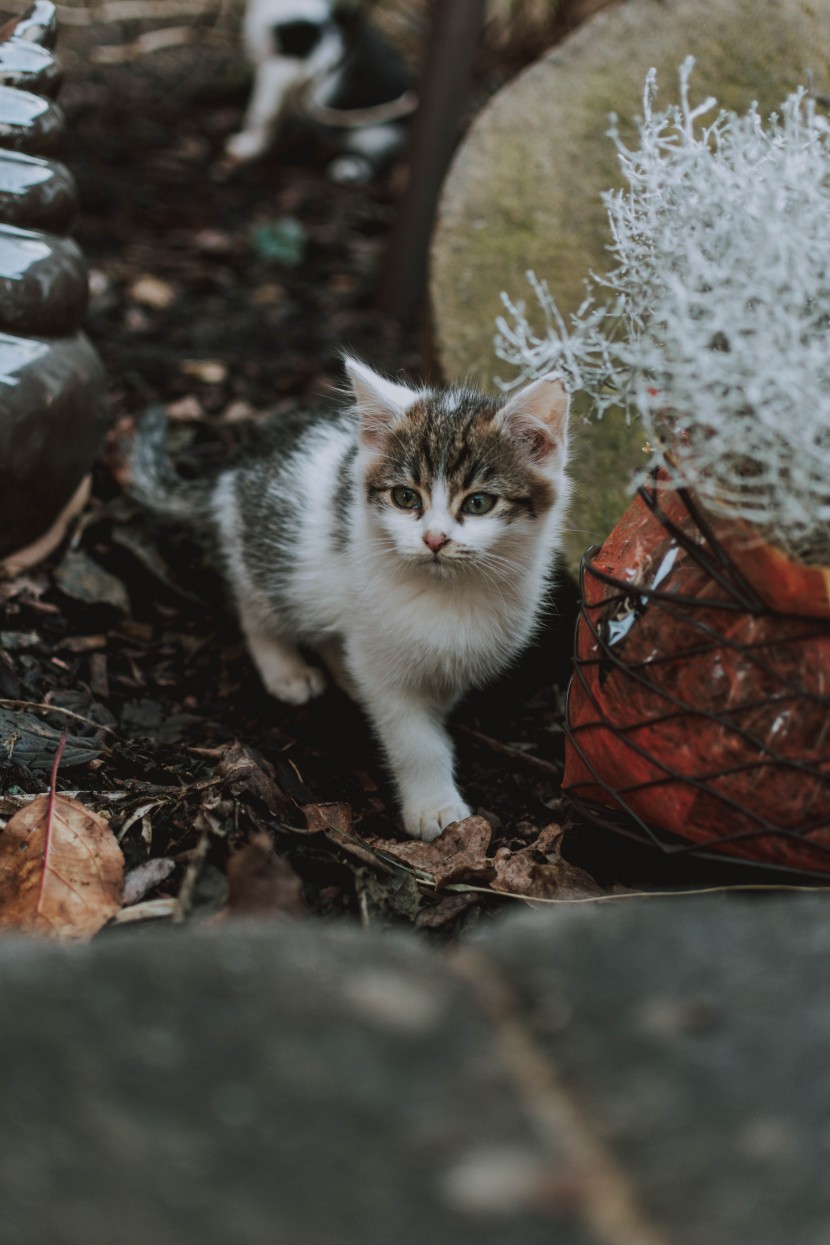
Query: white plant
point(713, 327)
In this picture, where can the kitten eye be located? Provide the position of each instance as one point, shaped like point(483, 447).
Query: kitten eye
point(479, 503)
point(406, 498)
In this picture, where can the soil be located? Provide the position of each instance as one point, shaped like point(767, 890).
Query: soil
point(228, 299)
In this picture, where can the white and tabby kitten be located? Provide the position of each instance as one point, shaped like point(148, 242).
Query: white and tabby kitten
point(408, 539)
point(341, 65)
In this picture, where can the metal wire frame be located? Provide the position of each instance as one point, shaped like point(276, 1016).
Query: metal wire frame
point(737, 596)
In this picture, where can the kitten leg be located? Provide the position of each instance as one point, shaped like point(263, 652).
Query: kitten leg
point(420, 755)
point(281, 665)
point(274, 81)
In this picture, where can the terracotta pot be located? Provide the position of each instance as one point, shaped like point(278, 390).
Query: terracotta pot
point(700, 702)
point(51, 380)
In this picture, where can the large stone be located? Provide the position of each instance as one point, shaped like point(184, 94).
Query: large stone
point(644, 1072)
point(261, 1087)
point(694, 1033)
point(524, 190)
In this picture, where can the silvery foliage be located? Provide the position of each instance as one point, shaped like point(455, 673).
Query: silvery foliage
point(713, 328)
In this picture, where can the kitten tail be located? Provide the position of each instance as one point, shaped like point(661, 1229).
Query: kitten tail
point(154, 483)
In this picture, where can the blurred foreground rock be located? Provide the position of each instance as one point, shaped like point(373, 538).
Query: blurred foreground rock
point(524, 191)
point(640, 1073)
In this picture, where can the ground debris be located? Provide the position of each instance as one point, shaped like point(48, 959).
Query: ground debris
point(61, 870)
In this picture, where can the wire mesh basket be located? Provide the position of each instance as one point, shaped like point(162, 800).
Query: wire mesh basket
point(700, 698)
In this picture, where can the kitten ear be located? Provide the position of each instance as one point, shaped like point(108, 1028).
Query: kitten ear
point(538, 415)
point(379, 401)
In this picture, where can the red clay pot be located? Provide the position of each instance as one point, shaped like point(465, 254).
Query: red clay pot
point(700, 702)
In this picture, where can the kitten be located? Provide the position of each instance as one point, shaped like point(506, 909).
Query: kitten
point(354, 85)
point(408, 539)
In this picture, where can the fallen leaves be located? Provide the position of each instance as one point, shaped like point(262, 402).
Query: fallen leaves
point(460, 855)
point(61, 870)
point(261, 883)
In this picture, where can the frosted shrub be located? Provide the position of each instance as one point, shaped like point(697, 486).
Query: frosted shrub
point(714, 326)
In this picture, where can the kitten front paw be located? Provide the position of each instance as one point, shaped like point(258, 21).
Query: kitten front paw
point(297, 687)
point(427, 823)
point(244, 146)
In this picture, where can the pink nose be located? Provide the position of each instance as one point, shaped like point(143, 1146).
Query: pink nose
point(435, 540)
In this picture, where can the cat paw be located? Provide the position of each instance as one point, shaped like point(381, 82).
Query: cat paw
point(427, 823)
point(244, 146)
point(298, 686)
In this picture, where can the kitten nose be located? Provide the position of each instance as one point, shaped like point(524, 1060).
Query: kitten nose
point(435, 540)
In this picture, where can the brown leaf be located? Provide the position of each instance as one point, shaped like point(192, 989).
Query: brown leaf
point(237, 766)
point(61, 870)
point(539, 870)
point(261, 883)
point(335, 822)
point(448, 909)
point(458, 853)
point(326, 817)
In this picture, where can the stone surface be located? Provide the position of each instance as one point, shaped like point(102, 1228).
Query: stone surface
point(43, 283)
point(281, 1085)
point(640, 1072)
point(524, 190)
point(52, 419)
point(694, 1033)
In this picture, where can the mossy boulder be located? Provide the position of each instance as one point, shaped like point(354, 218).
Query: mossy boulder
point(524, 189)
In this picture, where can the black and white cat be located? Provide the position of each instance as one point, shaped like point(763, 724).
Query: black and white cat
point(328, 63)
point(409, 539)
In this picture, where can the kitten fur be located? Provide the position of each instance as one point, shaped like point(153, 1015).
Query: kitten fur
point(340, 60)
point(408, 539)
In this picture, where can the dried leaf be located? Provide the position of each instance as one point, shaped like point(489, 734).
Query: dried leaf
point(149, 910)
point(209, 371)
point(448, 909)
point(539, 870)
point(238, 767)
point(260, 883)
point(328, 817)
point(335, 822)
point(145, 877)
point(30, 742)
point(61, 870)
point(81, 578)
point(458, 853)
point(152, 292)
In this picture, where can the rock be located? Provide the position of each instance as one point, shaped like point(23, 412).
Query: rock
point(52, 413)
point(693, 1032)
point(29, 122)
point(645, 1070)
point(40, 194)
point(277, 1084)
point(524, 190)
point(43, 283)
point(52, 420)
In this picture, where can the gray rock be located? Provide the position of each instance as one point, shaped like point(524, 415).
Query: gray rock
point(694, 1034)
point(270, 1085)
point(643, 1072)
point(524, 190)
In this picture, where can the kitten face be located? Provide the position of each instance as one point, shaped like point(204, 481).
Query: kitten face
point(458, 481)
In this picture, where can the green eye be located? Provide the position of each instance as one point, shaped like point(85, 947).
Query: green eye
point(406, 498)
point(479, 503)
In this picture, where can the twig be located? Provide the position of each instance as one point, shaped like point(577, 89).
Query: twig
point(463, 887)
point(69, 713)
point(509, 750)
